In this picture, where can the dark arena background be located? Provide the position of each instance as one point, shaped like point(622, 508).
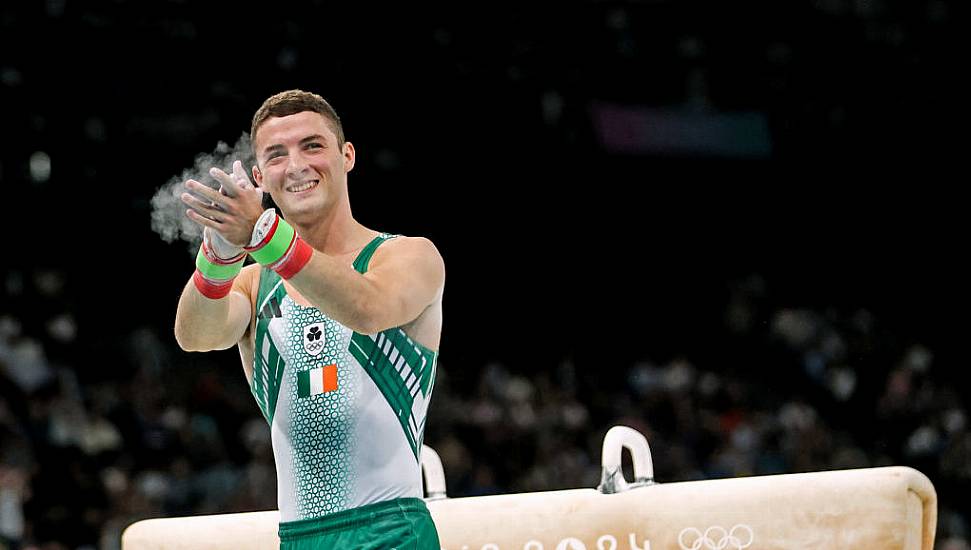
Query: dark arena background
point(734, 226)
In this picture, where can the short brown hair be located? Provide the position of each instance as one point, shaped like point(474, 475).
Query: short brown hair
point(292, 102)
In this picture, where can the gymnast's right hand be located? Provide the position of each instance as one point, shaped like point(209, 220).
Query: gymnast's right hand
point(231, 212)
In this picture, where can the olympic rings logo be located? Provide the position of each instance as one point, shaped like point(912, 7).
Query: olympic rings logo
point(716, 538)
point(313, 338)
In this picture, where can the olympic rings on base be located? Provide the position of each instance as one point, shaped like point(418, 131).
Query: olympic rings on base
point(716, 537)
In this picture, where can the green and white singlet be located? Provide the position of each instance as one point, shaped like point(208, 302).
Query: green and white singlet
point(346, 410)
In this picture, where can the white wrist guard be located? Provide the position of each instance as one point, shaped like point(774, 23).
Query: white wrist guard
point(264, 224)
point(220, 247)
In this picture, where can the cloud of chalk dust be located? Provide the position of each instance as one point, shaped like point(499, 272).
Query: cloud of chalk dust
point(168, 210)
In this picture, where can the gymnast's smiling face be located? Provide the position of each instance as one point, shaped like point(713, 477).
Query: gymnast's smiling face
point(303, 165)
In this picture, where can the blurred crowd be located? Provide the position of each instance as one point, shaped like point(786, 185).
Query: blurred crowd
point(104, 421)
point(95, 439)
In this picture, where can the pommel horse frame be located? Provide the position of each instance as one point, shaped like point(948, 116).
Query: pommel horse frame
point(890, 508)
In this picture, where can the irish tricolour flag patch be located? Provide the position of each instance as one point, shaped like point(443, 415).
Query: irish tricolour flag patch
point(317, 381)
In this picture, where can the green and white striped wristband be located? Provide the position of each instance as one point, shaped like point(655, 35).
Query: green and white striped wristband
point(278, 246)
point(214, 270)
point(272, 236)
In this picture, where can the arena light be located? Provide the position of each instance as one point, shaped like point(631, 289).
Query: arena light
point(40, 167)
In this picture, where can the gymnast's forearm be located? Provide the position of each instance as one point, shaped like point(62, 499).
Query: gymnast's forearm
point(206, 324)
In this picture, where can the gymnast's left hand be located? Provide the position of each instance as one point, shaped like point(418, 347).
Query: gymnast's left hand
point(231, 211)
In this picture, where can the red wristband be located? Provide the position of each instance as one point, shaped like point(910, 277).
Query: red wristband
point(295, 258)
point(213, 290)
